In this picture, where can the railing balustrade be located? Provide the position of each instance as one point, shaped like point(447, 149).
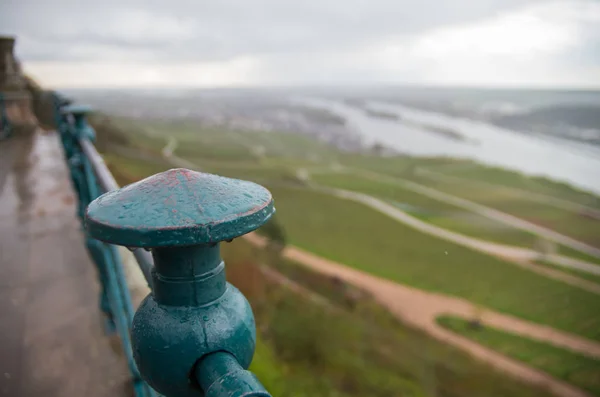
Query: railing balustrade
point(194, 335)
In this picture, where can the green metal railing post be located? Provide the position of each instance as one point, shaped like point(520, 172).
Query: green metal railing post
point(83, 181)
point(60, 120)
point(82, 176)
point(194, 335)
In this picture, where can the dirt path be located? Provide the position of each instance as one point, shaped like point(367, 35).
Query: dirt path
point(420, 309)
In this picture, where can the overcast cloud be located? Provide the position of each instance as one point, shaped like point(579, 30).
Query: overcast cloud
point(276, 42)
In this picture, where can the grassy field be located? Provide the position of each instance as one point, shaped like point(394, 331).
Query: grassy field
point(476, 174)
point(476, 187)
point(571, 367)
point(127, 170)
point(505, 178)
point(306, 349)
point(433, 211)
point(566, 251)
point(572, 224)
point(397, 165)
point(585, 275)
point(441, 214)
point(198, 143)
point(357, 236)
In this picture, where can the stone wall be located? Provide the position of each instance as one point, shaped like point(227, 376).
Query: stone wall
point(11, 78)
point(16, 97)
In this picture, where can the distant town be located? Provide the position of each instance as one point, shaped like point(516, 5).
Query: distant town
point(235, 112)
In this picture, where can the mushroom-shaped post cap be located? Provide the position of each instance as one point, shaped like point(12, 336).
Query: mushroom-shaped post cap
point(179, 207)
point(76, 109)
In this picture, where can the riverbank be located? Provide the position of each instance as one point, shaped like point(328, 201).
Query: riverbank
point(495, 146)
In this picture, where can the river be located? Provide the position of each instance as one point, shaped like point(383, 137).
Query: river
point(485, 142)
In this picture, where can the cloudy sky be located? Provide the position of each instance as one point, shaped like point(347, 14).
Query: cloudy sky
point(146, 43)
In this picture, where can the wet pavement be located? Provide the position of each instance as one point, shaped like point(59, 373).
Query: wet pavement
point(52, 339)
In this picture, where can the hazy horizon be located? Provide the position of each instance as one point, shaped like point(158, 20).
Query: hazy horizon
point(465, 43)
point(382, 85)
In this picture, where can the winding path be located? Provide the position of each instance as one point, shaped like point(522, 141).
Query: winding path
point(420, 309)
point(485, 211)
point(516, 255)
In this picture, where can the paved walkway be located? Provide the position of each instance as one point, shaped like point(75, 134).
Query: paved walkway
point(52, 342)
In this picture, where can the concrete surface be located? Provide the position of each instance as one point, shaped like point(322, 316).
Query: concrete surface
point(52, 340)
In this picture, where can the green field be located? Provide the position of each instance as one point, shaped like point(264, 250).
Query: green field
point(433, 211)
point(570, 223)
point(359, 237)
point(566, 251)
point(563, 364)
point(400, 166)
point(585, 275)
point(478, 173)
point(199, 143)
point(126, 170)
point(444, 215)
